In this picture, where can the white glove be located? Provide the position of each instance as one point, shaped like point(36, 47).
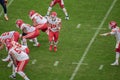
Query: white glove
point(105, 34)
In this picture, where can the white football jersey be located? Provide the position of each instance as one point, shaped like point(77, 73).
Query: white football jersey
point(54, 24)
point(19, 54)
point(39, 19)
point(17, 45)
point(28, 27)
point(116, 32)
point(7, 35)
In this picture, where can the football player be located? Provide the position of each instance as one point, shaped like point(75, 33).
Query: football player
point(61, 3)
point(115, 30)
point(54, 26)
point(19, 58)
point(39, 21)
point(16, 45)
point(29, 32)
point(3, 3)
point(13, 35)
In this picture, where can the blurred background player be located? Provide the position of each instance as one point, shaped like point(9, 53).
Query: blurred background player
point(38, 20)
point(28, 32)
point(3, 3)
point(61, 3)
point(115, 30)
point(54, 26)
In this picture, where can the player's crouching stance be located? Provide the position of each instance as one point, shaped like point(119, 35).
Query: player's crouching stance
point(38, 20)
point(54, 26)
point(29, 32)
point(13, 35)
point(115, 30)
point(19, 58)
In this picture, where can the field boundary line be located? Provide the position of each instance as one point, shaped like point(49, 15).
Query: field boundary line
point(7, 7)
point(91, 41)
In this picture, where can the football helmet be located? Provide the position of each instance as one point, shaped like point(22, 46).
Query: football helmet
point(112, 24)
point(53, 15)
point(31, 13)
point(19, 23)
point(8, 43)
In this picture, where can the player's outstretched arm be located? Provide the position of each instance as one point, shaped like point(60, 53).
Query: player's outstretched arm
point(105, 34)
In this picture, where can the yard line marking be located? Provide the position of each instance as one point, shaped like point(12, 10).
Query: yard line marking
point(78, 26)
point(78, 63)
point(56, 63)
point(100, 28)
point(91, 41)
point(34, 61)
point(10, 2)
point(101, 67)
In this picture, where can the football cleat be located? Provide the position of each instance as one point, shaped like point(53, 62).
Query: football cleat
point(5, 60)
point(67, 17)
point(30, 40)
point(38, 45)
point(55, 49)
point(50, 48)
point(115, 64)
point(12, 77)
point(6, 17)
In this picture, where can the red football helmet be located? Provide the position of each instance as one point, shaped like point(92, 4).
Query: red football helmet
point(53, 14)
point(8, 43)
point(19, 23)
point(31, 13)
point(112, 24)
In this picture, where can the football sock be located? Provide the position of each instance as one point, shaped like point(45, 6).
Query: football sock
point(65, 12)
point(24, 42)
point(13, 72)
point(35, 41)
point(117, 57)
point(21, 73)
point(48, 12)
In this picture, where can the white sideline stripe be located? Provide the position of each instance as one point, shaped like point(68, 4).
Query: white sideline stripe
point(101, 67)
point(56, 63)
point(78, 26)
point(34, 61)
point(91, 41)
point(10, 2)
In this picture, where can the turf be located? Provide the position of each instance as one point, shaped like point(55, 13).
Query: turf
point(72, 44)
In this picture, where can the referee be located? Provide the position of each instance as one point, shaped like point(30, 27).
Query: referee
point(3, 3)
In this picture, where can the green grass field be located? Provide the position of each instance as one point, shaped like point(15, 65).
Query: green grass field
point(81, 51)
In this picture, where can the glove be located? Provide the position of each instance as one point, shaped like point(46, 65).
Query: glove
point(105, 34)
